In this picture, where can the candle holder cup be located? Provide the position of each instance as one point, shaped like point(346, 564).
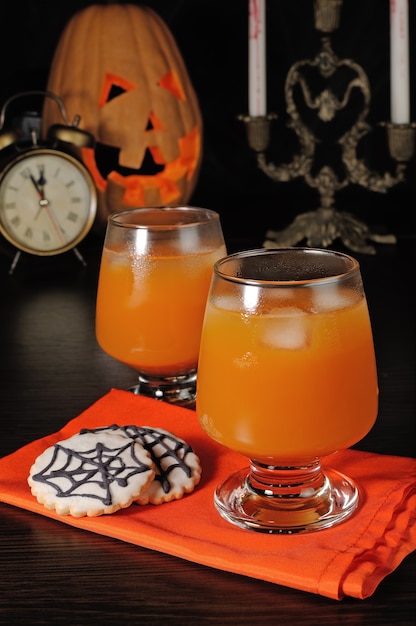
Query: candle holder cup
point(258, 130)
point(401, 138)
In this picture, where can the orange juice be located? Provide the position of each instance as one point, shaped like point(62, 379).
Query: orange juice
point(291, 379)
point(150, 308)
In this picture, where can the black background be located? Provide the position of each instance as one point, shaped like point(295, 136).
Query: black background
point(212, 36)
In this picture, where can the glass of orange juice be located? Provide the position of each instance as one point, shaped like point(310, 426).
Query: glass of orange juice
point(287, 376)
point(154, 277)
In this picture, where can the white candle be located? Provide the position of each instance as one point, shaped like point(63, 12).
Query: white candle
point(257, 58)
point(399, 62)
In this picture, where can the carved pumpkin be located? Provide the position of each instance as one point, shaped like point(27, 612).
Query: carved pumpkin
point(119, 68)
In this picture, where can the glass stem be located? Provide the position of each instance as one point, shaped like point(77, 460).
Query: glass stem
point(303, 480)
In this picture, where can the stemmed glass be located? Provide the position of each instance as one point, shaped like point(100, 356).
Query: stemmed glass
point(155, 272)
point(287, 376)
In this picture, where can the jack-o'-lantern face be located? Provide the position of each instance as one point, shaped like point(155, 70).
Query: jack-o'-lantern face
point(141, 159)
point(117, 66)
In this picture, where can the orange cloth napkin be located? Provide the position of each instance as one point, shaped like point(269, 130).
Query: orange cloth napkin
point(350, 559)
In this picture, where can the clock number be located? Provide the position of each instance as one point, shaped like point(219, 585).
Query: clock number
point(72, 217)
point(25, 173)
point(29, 233)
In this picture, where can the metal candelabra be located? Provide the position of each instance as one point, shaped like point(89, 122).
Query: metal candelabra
point(319, 228)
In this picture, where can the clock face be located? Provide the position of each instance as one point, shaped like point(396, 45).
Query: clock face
point(47, 202)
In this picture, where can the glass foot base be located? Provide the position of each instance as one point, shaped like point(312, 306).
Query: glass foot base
point(275, 510)
point(179, 390)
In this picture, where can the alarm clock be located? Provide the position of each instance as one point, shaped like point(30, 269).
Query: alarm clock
point(48, 199)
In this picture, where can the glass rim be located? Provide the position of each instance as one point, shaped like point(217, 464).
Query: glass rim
point(117, 218)
point(271, 282)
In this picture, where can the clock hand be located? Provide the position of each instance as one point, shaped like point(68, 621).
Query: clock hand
point(42, 179)
point(41, 182)
point(42, 200)
point(44, 203)
point(55, 224)
point(41, 194)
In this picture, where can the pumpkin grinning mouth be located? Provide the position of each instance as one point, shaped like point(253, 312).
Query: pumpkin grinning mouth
point(107, 160)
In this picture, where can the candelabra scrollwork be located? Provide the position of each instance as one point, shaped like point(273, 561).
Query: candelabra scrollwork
point(325, 224)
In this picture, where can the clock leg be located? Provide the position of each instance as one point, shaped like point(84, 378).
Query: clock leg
point(15, 261)
point(80, 257)
point(19, 252)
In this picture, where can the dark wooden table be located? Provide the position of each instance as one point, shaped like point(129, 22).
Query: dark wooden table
point(52, 369)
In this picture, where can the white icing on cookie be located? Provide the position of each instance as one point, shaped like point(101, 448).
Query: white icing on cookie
point(91, 474)
point(177, 467)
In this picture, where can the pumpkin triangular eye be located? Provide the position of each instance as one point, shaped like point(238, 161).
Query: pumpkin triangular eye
point(171, 82)
point(154, 123)
point(114, 86)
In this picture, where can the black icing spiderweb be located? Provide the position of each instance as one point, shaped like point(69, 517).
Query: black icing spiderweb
point(166, 450)
point(70, 471)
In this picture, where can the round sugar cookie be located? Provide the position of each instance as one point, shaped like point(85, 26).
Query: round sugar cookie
point(92, 474)
point(177, 467)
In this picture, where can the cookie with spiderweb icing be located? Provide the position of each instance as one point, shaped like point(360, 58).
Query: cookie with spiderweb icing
point(177, 467)
point(92, 474)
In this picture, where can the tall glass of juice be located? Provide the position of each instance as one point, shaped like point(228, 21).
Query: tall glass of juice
point(286, 376)
point(155, 273)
